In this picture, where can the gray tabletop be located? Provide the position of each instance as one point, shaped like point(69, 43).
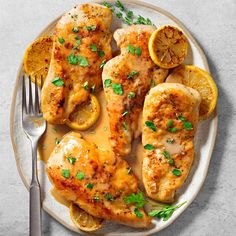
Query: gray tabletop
point(213, 23)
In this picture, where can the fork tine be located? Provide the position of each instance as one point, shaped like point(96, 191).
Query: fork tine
point(24, 107)
point(30, 97)
point(36, 97)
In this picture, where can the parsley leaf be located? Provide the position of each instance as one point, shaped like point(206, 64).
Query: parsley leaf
point(71, 160)
point(132, 74)
point(131, 49)
point(120, 5)
point(65, 173)
point(72, 59)
point(57, 141)
point(96, 198)
point(170, 123)
point(61, 40)
point(119, 15)
point(124, 125)
point(107, 83)
point(82, 61)
point(80, 175)
point(93, 47)
point(85, 85)
point(170, 140)
point(109, 197)
point(181, 118)
point(101, 53)
point(151, 125)
point(117, 89)
point(138, 213)
point(58, 82)
point(149, 147)
point(142, 21)
point(91, 27)
point(131, 95)
point(89, 185)
point(125, 113)
point(75, 29)
point(176, 172)
point(138, 199)
point(172, 130)
point(103, 64)
point(138, 51)
point(188, 125)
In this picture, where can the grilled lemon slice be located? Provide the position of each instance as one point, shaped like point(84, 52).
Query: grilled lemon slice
point(85, 115)
point(200, 80)
point(83, 220)
point(37, 58)
point(168, 47)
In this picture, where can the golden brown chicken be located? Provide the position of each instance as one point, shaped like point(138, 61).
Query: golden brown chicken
point(126, 80)
point(170, 118)
point(98, 181)
point(81, 46)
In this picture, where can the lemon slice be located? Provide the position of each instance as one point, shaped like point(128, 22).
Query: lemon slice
point(200, 80)
point(37, 58)
point(168, 47)
point(85, 115)
point(83, 220)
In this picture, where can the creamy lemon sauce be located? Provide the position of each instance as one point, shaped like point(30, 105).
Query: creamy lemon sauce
point(98, 134)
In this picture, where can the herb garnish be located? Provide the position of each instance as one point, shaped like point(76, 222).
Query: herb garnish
point(170, 123)
point(85, 85)
point(96, 198)
point(150, 125)
point(138, 51)
point(57, 141)
point(75, 29)
point(103, 64)
point(166, 212)
point(129, 170)
point(138, 199)
point(182, 118)
point(54, 130)
point(176, 172)
point(92, 88)
point(74, 60)
point(107, 83)
point(131, 49)
point(168, 157)
point(93, 47)
point(138, 213)
point(188, 125)
point(119, 15)
point(149, 147)
point(65, 173)
point(58, 82)
point(117, 88)
point(89, 185)
point(80, 175)
point(124, 125)
point(125, 113)
point(101, 53)
point(109, 197)
point(172, 130)
point(131, 95)
point(132, 74)
point(91, 27)
point(170, 140)
point(61, 40)
point(71, 160)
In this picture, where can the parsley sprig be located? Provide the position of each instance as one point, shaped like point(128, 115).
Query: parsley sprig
point(126, 15)
point(138, 199)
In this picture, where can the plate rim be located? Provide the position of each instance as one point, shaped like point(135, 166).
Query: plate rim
point(214, 116)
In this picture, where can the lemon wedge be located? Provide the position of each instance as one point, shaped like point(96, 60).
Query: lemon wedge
point(37, 58)
point(83, 220)
point(168, 47)
point(85, 115)
point(200, 80)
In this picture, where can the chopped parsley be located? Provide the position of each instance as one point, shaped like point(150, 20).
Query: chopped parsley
point(142, 21)
point(125, 113)
point(168, 157)
point(170, 140)
point(124, 125)
point(166, 154)
point(138, 199)
point(130, 14)
point(61, 40)
point(149, 147)
point(138, 213)
point(82, 61)
point(150, 125)
point(166, 212)
point(85, 85)
point(176, 172)
point(132, 74)
point(120, 5)
point(80, 175)
point(65, 173)
point(57, 141)
point(101, 53)
point(103, 64)
point(188, 125)
point(71, 160)
point(138, 51)
point(131, 95)
point(96, 198)
point(117, 89)
point(109, 197)
point(92, 88)
point(58, 82)
point(131, 49)
point(54, 130)
point(119, 15)
point(89, 185)
point(170, 123)
point(172, 130)
point(107, 83)
point(72, 59)
point(75, 29)
point(93, 47)
point(182, 118)
point(91, 27)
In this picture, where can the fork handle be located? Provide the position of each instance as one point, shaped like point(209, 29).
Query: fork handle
point(35, 210)
point(35, 196)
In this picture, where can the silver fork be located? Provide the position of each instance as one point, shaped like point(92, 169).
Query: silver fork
point(34, 126)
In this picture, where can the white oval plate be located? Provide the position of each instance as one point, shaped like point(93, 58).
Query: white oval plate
point(205, 137)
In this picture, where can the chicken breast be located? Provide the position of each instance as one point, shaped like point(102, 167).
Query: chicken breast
point(170, 118)
point(96, 180)
point(82, 41)
point(126, 80)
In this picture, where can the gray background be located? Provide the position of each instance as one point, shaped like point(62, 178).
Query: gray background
point(213, 23)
